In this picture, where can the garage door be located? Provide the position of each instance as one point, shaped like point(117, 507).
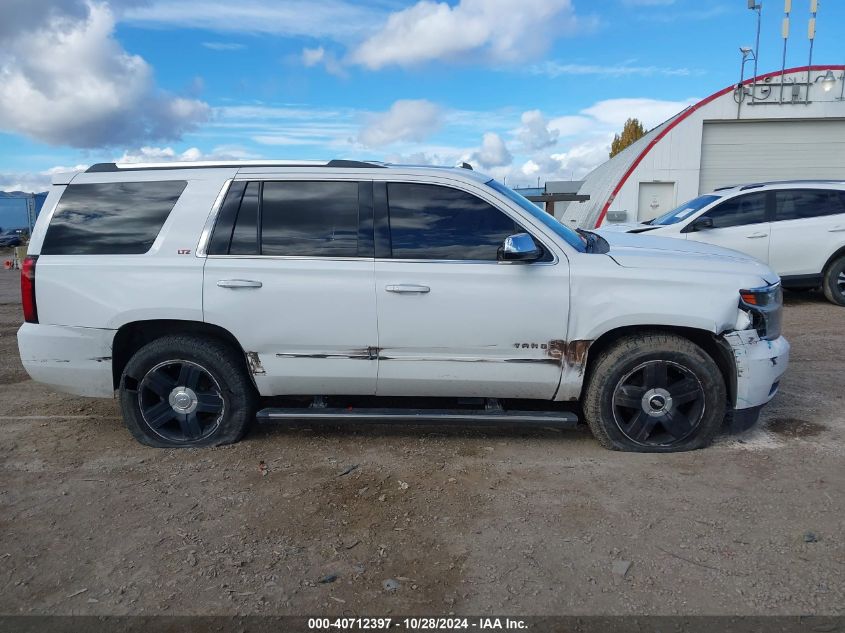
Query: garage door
point(756, 151)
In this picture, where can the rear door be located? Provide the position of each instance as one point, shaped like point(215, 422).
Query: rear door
point(290, 274)
point(452, 320)
point(740, 223)
point(809, 226)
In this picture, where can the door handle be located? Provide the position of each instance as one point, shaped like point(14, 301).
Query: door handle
point(239, 283)
point(755, 236)
point(837, 229)
point(407, 289)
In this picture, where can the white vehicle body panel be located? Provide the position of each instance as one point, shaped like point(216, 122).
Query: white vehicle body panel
point(483, 329)
point(311, 323)
point(803, 247)
point(71, 359)
point(319, 326)
point(752, 240)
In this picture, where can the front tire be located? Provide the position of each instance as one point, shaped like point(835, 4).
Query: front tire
point(834, 282)
point(655, 393)
point(186, 392)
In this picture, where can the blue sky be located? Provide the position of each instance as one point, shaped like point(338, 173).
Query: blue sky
point(523, 89)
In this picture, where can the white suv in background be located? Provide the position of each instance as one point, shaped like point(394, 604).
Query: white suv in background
point(796, 227)
point(363, 291)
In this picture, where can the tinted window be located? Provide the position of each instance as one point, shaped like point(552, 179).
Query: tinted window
point(245, 234)
point(433, 222)
point(111, 218)
point(797, 204)
point(747, 209)
point(310, 219)
point(225, 221)
point(547, 219)
point(684, 211)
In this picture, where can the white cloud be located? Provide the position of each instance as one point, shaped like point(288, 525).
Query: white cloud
point(571, 125)
point(33, 182)
point(556, 69)
point(321, 57)
point(502, 30)
point(651, 112)
point(334, 19)
point(224, 46)
point(406, 120)
point(69, 82)
point(535, 132)
point(492, 153)
point(148, 154)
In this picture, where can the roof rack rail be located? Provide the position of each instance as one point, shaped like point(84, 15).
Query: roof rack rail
point(336, 163)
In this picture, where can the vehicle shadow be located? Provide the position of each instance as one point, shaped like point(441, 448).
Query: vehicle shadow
point(804, 297)
point(410, 430)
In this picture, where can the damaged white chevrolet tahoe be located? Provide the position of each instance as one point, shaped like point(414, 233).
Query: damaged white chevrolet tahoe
point(363, 291)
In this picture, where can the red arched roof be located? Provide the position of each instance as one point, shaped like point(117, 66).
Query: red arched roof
point(686, 113)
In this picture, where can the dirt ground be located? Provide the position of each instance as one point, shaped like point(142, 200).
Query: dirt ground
point(467, 521)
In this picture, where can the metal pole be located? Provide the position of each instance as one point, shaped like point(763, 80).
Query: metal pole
point(787, 7)
point(756, 52)
point(811, 33)
point(30, 212)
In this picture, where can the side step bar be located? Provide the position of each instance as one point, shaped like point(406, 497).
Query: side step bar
point(420, 416)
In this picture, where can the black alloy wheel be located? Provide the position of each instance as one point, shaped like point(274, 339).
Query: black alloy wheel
point(658, 403)
point(181, 401)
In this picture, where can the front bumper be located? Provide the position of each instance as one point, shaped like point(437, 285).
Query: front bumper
point(74, 360)
point(759, 366)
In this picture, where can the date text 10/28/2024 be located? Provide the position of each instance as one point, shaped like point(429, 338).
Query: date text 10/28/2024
point(417, 624)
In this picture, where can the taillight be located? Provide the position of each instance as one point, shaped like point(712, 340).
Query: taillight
point(30, 309)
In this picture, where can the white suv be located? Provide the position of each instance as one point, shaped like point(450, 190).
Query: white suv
point(796, 227)
point(363, 291)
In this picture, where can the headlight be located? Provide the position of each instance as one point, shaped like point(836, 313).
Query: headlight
point(765, 306)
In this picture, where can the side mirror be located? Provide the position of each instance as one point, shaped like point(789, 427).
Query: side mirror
point(519, 248)
point(700, 224)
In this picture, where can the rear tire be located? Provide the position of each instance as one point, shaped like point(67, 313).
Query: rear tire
point(187, 392)
point(834, 282)
point(655, 393)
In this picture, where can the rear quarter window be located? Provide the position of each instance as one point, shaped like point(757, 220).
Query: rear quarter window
point(110, 218)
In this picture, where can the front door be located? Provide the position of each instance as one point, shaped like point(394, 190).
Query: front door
point(452, 320)
point(739, 223)
point(290, 275)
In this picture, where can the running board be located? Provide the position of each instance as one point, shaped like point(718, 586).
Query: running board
point(420, 416)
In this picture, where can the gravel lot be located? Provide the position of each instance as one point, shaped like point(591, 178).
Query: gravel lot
point(527, 522)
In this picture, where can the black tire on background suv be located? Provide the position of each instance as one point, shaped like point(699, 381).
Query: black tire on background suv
point(655, 393)
point(834, 282)
point(186, 392)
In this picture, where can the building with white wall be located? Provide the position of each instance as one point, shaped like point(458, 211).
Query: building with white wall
point(775, 127)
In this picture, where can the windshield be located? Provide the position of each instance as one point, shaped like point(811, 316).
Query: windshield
point(547, 219)
point(684, 211)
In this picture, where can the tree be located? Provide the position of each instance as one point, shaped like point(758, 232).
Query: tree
point(631, 132)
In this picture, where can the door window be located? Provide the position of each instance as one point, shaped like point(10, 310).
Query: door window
point(434, 222)
point(747, 209)
point(799, 204)
point(245, 234)
point(289, 218)
point(310, 219)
